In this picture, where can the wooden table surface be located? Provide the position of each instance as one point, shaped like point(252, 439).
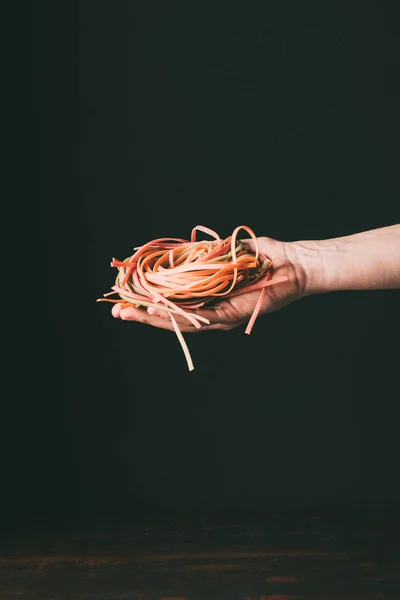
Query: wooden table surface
point(228, 557)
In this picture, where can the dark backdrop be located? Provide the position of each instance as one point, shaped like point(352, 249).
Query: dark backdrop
point(135, 120)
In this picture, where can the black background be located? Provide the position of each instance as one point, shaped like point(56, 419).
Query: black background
point(136, 120)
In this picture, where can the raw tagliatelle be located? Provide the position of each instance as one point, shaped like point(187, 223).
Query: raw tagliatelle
point(180, 276)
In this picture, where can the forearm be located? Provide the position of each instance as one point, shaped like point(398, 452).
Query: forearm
point(363, 261)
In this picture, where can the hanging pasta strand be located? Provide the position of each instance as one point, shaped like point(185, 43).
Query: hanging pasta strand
point(179, 276)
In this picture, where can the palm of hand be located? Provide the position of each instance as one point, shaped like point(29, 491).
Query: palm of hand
point(237, 310)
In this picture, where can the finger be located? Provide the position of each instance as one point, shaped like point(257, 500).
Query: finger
point(142, 316)
point(265, 245)
point(163, 314)
point(213, 316)
point(250, 244)
point(208, 317)
point(116, 309)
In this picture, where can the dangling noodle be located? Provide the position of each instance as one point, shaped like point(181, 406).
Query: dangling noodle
point(180, 276)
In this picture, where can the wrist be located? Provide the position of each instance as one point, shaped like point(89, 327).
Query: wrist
point(307, 260)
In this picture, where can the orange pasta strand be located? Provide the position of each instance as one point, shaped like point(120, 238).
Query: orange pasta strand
point(180, 276)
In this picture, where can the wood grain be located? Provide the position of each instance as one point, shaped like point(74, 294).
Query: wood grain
point(256, 559)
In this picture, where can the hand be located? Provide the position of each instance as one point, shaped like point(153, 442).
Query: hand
point(237, 310)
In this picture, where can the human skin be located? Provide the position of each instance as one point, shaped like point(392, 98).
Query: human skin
point(369, 260)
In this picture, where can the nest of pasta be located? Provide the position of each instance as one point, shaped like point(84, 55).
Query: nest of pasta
point(182, 276)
